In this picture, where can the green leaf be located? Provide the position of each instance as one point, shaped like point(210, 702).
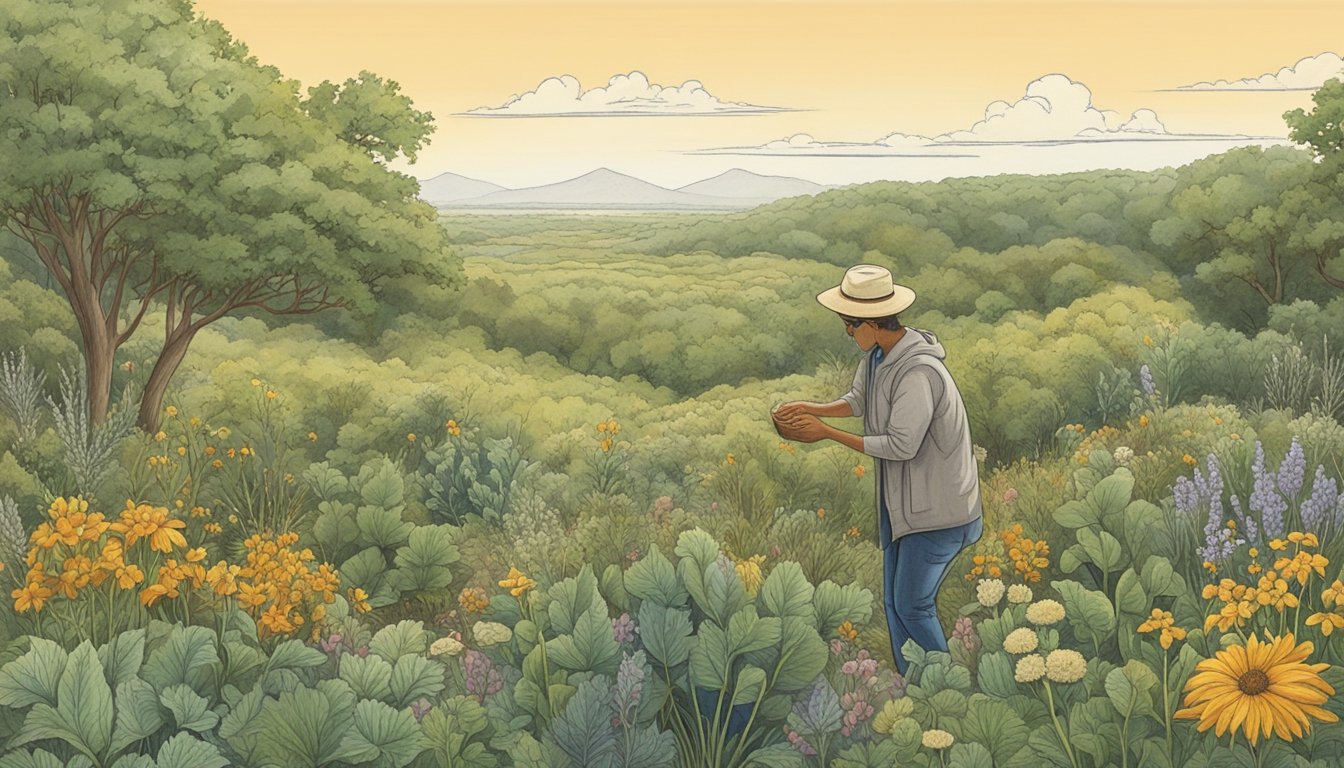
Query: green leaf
point(383, 526)
point(122, 656)
point(190, 710)
point(653, 579)
point(949, 705)
point(572, 598)
point(995, 725)
point(802, 655)
point(367, 569)
point(711, 658)
point(380, 484)
point(1140, 522)
point(370, 677)
point(396, 640)
point(138, 713)
point(187, 656)
point(665, 632)
point(239, 728)
point(1160, 580)
point(786, 592)
point(1102, 548)
point(995, 675)
point(34, 676)
point(834, 605)
point(83, 713)
point(584, 729)
point(1112, 494)
point(184, 751)
point(750, 682)
point(1089, 612)
point(305, 727)
point(1129, 595)
point(612, 587)
point(970, 755)
point(424, 562)
point(1130, 689)
point(383, 736)
point(294, 654)
point(591, 648)
point(413, 677)
point(38, 758)
point(1076, 514)
point(241, 661)
point(747, 632)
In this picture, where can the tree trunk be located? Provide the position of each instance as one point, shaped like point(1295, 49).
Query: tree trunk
point(99, 350)
point(151, 403)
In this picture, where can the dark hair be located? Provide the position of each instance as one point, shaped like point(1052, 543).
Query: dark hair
point(889, 323)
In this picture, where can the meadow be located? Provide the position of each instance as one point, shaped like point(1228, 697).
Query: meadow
point(543, 519)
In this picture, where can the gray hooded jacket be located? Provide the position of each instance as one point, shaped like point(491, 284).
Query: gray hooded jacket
point(915, 426)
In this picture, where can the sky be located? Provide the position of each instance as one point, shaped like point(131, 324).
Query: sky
point(530, 93)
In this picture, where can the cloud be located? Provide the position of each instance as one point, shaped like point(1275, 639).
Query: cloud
point(1306, 75)
point(630, 94)
point(1054, 110)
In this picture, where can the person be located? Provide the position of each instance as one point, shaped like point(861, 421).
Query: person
point(916, 430)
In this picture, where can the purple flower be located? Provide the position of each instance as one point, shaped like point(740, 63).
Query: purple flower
point(482, 679)
point(331, 643)
point(1146, 380)
point(799, 743)
point(420, 707)
point(623, 628)
point(1292, 471)
point(629, 686)
point(1265, 498)
point(1324, 497)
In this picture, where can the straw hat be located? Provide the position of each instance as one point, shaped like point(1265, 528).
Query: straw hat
point(867, 291)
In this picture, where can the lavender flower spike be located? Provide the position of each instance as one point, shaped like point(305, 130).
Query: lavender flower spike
point(1265, 498)
point(1146, 380)
point(1292, 471)
point(1321, 503)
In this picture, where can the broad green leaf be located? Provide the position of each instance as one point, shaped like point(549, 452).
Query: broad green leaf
point(187, 656)
point(995, 675)
point(305, 728)
point(612, 587)
point(424, 562)
point(122, 656)
point(34, 676)
point(239, 728)
point(1102, 548)
point(995, 725)
point(383, 526)
point(84, 701)
point(413, 677)
point(1159, 579)
point(294, 654)
point(572, 598)
point(750, 682)
point(367, 569)
point(185, 751)
point(665, 633)
point(834, 605)
point(1129, 595)
point(591, 648)
point(38, 758)
point(370, 677)
point(190, 711)
point(712, 657)
point(802, 655)
point(1089, 612)
point(383, 736)
point(1130, 689)
point(970, 755)
point(583, 731)
point(653, 579)
point(396, 640)
point(380, 484)
point(138, 713)
point(747, 632)
point(1076, 514)
point(1112, 494)
point(786, 592)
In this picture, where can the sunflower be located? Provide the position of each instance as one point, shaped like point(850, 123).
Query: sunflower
point(1261, 688)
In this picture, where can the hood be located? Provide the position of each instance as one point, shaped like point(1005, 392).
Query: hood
point(917, 342)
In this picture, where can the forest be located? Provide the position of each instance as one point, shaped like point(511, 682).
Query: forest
point(295, 471)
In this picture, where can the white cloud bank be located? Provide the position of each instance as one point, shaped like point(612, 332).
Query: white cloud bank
point(628, 94)
point(1055, 110)
point(1306, 75)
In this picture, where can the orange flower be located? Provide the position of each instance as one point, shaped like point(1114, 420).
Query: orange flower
point(516, 582)
point(359, 600)
point(31, 596)
point(860, 471)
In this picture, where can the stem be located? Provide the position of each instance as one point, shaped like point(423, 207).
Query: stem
point(1166, 705)
point(1059, 730)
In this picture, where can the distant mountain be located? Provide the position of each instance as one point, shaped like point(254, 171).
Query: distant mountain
point(447, 187)
point(745, 184)
point(605, 189)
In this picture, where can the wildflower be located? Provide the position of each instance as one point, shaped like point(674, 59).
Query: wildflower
point(1065, 666)
point(1123, 455)
point(1010, 496)
point(256, 382)
point(1147, 342)
point(312, 437)
point(1045, 612)
point(846, 631)
point(853, 532)
point(1143, 420)
point(453, 428)
point(359, 600)
point(860, 471)
point(516, 582)
point(1190, 460)
point(271, 394)
point(730, 461)
point(623, 628)
point(446, 646)
point(821, 513)
point(749, 570)
point(1021, 640)
point(473, 600)
point(171, 411)
point(936, 739)
point(606, 445)
point(217, 464)
point(988, 592)
point(181, 450)
point(1029, 668)
point(410, 437)
point(1162, 621)
point(1019, 594)
point(488, 633)
point(31, 596)
point(1261, 688)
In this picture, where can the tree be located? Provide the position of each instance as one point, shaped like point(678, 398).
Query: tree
point(1320, 129)
point(154, 162)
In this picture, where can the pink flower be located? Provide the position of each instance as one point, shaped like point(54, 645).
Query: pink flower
point(837, 647)
point(867, 668)
point(1010, 495)
point(850, 667)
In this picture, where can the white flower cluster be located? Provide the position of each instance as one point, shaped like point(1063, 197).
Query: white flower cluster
point(488, 633)
point(1045, 612)
point(988, 592)
point(1065, 666)
point(1019, 594)
point(1123, 455)
point(1021, 640)
point(445, 646)
point(936, 739)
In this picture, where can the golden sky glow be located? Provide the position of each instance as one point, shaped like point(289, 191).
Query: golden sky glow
point(856, 71)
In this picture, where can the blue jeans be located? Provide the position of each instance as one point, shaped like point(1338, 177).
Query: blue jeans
point(914, 568)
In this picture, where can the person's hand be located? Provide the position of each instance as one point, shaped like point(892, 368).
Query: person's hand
point(789, 411)
point(805, 428)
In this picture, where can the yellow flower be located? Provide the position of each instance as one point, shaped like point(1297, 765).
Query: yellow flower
point(453, 428)
point(217, 464)
point(860, 471)
point(195, 421)
point(601, 427)
point(1143, 421)
point(853, 532)
point(846, 631)
point(181, 450)
point(171, 411)
point(516, 582)
point(1261, 689)
point(312, 437)
point(410, 437)
point(730, 460)
point(256, 382)
point(359, 600)
point(31, 596)
point(749, 571)
point(160, 436)
point(1328, 622)
point(271, 394)
point(1188, 459)
point(1235, 436)
point(606, 445)
point(1162, 621)
point(1147, 340)
point(821, 513)
point(213, 528)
